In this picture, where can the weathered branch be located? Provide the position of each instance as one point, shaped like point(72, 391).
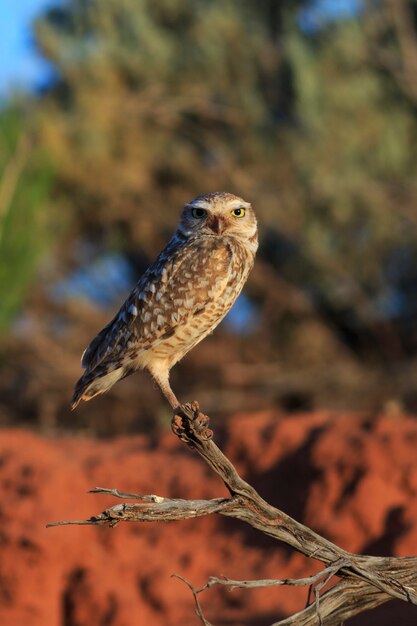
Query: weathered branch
point(365, 581)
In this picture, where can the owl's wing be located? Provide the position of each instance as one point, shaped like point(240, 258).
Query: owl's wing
point(181, 282)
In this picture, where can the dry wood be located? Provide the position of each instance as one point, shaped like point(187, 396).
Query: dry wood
point(364, 581)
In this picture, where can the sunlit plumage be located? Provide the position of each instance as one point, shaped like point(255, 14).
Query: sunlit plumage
point(179, 300)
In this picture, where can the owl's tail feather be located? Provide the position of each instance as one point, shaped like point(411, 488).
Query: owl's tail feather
point(93, 384)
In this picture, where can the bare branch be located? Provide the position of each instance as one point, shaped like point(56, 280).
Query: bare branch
point(365, 581)
point(163, 510)
point(325, 574)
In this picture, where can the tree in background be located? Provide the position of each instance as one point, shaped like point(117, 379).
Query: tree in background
point(24, 187)
point(314, 120)
point(156, 102)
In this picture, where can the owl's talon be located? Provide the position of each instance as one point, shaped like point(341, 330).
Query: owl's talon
point(202, 420)
point(195, 407)
point(188, 421)
point(208, 434)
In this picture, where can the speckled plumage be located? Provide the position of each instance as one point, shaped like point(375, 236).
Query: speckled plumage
point(179, 300)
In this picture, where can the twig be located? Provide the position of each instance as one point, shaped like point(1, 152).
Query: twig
point(326, 573)
point(194, 591)
point(130, 496)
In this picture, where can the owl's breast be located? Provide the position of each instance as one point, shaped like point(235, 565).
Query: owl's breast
point(190, 333)
point(220, 286)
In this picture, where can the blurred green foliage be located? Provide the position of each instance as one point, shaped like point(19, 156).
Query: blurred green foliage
point(24, 187)
point(157, 101)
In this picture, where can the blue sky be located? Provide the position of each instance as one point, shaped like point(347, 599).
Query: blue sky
point(22, 67)
point(322, 11)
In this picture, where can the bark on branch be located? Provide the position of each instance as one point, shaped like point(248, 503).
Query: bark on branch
point(364, 581)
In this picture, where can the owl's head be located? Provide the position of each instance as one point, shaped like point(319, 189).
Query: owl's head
point(219, 213)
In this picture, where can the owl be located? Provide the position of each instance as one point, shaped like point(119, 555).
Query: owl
point(179, 300)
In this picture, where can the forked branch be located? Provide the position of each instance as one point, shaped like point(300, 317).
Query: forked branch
point(364, 581)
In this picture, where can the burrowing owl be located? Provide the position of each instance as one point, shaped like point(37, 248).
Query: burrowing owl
point(179, 300)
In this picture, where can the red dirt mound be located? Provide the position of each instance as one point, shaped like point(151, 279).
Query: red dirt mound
point(352, 479)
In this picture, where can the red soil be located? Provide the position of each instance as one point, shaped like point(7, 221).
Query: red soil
point(352, 479)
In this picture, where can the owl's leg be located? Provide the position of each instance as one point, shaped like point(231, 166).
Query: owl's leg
point(161, 377)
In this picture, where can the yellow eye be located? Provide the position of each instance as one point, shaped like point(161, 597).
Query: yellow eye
point(198, 213)
point(238, 212)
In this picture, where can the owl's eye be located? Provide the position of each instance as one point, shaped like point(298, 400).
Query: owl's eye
point(198, 213)
point(238, 212)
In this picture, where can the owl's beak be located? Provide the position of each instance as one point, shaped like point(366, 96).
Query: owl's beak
point(216, 225)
